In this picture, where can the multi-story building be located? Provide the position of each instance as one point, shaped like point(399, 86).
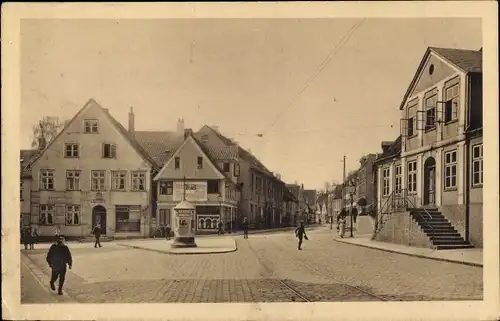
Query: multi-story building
point(310, 196)
point(365, 189)
point(192, 174)
point(92, 172)
point(297, 209)
point(25, 185)
point(262, 193)
point(336, 201)
point(441, 166)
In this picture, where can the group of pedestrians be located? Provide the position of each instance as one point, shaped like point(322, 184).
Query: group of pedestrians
point(29, 237)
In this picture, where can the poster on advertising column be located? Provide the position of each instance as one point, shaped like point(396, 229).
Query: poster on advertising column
point(195, 191)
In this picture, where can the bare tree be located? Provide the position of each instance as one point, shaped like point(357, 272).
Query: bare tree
point(47, 128)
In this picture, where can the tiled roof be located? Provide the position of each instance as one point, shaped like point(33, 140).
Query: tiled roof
point(467, 60)
point(212, 159)
point(393, 150)
point(26, 155)
point(223, 153)
point(337, 192)
point(160, 145)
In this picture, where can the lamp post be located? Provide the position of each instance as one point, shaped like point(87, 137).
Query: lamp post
point(352, 191)
point(219, 198)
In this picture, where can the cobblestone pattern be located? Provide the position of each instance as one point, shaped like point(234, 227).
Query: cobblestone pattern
point(116, 274)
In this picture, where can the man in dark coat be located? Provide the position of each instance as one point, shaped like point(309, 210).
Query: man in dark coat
point(97, 233)
point(300, 232)
point(26, 236)
point(245, 228)
point(58, 257)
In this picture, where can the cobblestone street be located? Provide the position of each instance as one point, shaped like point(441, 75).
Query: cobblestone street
point(266, 267)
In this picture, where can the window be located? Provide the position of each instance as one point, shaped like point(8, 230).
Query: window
point(212, 186)
point(71, 150)
point(412, 177)
point(204, 139)
point(450, 170)
point(411, 120)
point(108, 151)
point(166, 188)
point(430, 114)
point(477, 165)
point(399, 177)
point(47, 180)
point(73, 215)
point(227, 168)
point(98, 180)
point(91, 126)
point(21, 191)
point(451, 103)
point(177, 162)
point(72, 180)
point(411, 127)
point(236, 170)
point(164, 218)
point(118, 180)
point(385, 181)
point(138, 181)
point(46, 214)
point(200, 162)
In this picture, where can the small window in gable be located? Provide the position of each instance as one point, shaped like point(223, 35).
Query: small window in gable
point(71, 150)
point(91, 126)
point(108, 151)
point(227, 168)
point(204, 139)
point(200, 162)
point(177, 161)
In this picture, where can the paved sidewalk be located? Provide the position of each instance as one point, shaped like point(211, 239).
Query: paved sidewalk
point(473, 257)
point(205, 246)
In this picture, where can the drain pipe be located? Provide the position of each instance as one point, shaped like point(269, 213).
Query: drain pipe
point(467, 161)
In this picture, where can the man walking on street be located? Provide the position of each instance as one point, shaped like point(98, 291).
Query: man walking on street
point(245, 228)
point(57, 258)
point(97, 234)
point(300, 232)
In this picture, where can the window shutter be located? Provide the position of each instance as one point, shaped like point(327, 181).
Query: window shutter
point(113, 150)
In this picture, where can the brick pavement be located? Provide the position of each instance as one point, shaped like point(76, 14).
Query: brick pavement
point(257, 271)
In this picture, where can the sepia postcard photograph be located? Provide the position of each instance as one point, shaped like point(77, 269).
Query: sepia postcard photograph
point(246, 161)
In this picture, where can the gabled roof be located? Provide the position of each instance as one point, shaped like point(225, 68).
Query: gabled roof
point(26, 155)
point(160, 145)
point(468, 61)
point(337, 192)
point(392, 151)
point(138, 148)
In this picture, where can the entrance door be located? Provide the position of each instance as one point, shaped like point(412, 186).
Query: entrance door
point(430, 182)
point(99, 217)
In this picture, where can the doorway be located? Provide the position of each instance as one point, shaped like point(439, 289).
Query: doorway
point(99, 217)
point(430, 182)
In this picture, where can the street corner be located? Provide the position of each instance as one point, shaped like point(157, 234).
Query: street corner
point(216, 245)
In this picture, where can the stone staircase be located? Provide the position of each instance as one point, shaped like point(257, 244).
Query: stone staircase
point(438, 229)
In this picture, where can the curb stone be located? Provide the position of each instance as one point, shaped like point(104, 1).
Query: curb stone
point(413, 254)
point(177, 253)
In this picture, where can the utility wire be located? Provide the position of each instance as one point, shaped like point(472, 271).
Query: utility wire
point(332, 53)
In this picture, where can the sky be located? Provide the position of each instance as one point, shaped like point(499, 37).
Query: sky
point(247, 76)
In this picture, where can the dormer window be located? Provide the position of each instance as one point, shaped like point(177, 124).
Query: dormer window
point(91, 126)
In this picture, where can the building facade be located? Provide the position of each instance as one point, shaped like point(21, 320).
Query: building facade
point(440, 166)
point(192, 174)
point(25, 185)
point(91, 173)
point(365, 189)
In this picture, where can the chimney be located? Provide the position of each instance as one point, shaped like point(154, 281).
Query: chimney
point(188, 132)
point(180, 127)
point(42, 143)
point(385, 146)
point(215, 127)
point(131, 121)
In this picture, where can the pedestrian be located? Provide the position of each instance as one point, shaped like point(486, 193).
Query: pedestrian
point(341, 224)
point(300, 233)
point(33, 238)
point(245, 228)
point(97, 234)
point(58, 257)
point(168, 231)
point(220, 230)
point(26, 236)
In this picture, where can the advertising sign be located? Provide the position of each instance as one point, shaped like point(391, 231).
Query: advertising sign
point(195, 191)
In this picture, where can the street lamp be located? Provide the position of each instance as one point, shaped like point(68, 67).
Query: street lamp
point(351, 188)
